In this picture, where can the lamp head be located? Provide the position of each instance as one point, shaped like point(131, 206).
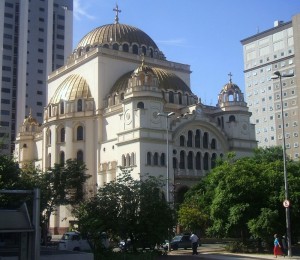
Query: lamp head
point(277, 73)
point(171, 114)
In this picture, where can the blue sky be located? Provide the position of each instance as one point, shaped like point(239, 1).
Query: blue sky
point(205, 34)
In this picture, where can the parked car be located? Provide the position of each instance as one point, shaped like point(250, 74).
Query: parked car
point(181, 241)
point(74, 242)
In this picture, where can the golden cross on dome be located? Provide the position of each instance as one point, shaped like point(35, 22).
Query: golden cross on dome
point(230, 75)
point(117, 10)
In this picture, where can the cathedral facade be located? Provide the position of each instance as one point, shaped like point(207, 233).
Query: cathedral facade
point(118, 103)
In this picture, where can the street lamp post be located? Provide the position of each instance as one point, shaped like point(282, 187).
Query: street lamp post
point(167, 116)
point(279, 76)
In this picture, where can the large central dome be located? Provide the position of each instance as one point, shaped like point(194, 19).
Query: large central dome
point(117, 33)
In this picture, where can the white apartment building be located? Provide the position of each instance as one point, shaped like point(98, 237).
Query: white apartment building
point(276, 49)
point(35, 39)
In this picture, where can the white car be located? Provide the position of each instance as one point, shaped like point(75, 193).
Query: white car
point(73, 241)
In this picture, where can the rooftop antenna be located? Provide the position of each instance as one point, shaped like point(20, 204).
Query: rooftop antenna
point(117, 10)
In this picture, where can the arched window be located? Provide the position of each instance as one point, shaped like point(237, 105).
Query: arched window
point(174, 163)
point(190, 139)
point(135, 49)
point(182, 160)
point(122, 96)
point(205, 140)
point(151, 52)
point(155, 159)
point(232, 118)
point(115, 99)
point(213, 143)
point(179, 98)
point(132, 159)
point(140, 105)
point(79, 156)
point(128, 159)
point(149, 155)
point(123, 160)
point(49, 137)
point(62, 107)
point(162, 159)
point(198, 161)
point(190, 160)
point(205, 161)
point(219, 121)
point(116, 46)
point(49, 160)
point(62, 135)
point(144, 50)
point(171, 97)
point(197, 139)
point(62, 159)
point(125, 47)
point(182, 140)
point(50, 111)
point(79, 105)
point(79, 133)
point(213, 160)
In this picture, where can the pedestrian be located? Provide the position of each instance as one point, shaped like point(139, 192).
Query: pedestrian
point(277, 246)
point(194, 239)
point(284, 245)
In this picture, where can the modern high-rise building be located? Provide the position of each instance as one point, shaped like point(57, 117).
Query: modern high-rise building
point(276, 49)
point(35, 39)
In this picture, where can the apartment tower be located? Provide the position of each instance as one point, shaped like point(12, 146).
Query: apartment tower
point(276, 49)
point(35, 39)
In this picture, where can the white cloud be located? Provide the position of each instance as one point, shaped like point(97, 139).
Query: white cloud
point(80, 11)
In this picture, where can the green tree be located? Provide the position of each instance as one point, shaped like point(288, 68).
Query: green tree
point(243, 197)
point(60, 185)
point(192, 214)
point(128, 208)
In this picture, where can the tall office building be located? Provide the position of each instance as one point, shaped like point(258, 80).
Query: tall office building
point(276, 49)
point(35, 39)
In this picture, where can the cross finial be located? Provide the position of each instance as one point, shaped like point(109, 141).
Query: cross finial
point(230, 75)
point(117, 10)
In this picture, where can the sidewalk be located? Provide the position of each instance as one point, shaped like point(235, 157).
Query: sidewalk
point(220, 249)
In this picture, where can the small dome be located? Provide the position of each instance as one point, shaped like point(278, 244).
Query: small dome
point(30, 120)
point(72, 88)
point(231, 87)
point(167, 80)
point(230, 93)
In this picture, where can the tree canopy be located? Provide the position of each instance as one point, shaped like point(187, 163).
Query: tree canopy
point(60, 185)
point(128, 208)
point(243, 197)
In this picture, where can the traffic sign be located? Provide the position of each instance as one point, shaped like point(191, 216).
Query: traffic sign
point(286, 203)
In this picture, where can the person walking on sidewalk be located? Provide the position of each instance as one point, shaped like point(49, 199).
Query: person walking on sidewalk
point(194, 239)
point(277, 246)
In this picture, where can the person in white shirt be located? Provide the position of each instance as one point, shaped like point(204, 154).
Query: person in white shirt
point(194, 239)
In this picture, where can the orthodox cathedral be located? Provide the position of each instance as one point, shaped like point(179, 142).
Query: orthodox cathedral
point(118, 103)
